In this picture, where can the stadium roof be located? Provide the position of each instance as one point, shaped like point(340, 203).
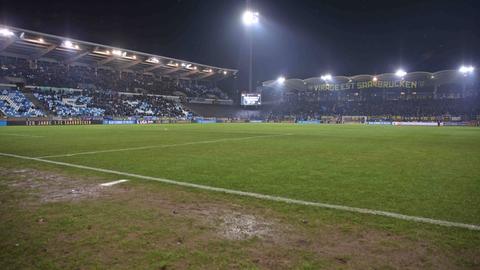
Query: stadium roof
point(23, 43)
point(438, 78)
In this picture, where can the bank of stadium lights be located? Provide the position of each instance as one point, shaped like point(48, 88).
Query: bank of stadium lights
point(117, 52)
point(466, 70)
point(70, 45)
point(105, 52)
point(326, 77)
point(190, 67)
point(250, 17)
point(4, 32)
point(400, 73)
point(172, 64)
point(281, 80)
point(38, 40)
point(153, 60)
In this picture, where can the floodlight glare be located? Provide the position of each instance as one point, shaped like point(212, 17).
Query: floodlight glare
point(466, 70)
point(400, 73)
point(326, 77)
point(250, 17)
point(69, 45)
point(281, 79)
point(6, 32)
point(375, 79)
point(153, 60)
point(117, 52)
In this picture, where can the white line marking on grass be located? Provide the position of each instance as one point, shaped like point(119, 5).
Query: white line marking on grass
point(109, 184)
point(260, 196)
point(21, 135)
point(164, 145)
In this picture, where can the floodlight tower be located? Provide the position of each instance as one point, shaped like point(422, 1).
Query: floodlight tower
point(250, 19)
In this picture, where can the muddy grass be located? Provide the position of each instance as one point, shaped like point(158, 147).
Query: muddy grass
point(49, 187)
point(263, 238)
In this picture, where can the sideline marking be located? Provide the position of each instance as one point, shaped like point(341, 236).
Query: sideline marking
point(261, 196)
point(109, 184)
point(164, 145)
point(21, 135)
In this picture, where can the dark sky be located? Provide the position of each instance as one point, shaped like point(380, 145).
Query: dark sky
point(295, 38)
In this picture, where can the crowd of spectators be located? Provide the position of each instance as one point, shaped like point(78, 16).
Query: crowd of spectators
point(53, 74)
point(67, 103)
point(13, 103)
point(309, 109)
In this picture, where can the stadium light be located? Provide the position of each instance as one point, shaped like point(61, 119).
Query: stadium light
point(117, 52)
point(374, 78)
point(466, 70)
point(326, 77)
point(281, 80)
point(225, 72)
point(6, 32)
point(400, 73)
point(69, 45)
point(153, 60)
point(250, 17)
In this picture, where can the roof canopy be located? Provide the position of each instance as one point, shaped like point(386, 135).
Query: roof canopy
point(32, 45)
point(386, 80)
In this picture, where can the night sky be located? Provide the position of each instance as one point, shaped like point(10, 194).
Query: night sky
point(295, 38)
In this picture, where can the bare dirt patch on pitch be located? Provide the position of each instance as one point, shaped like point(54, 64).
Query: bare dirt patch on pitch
point(52, 187)
point(279, 244)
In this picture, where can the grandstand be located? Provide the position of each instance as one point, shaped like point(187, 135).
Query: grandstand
point(419, 96)
point(73, 78)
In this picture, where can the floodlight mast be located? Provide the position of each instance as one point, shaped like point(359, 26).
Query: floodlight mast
point(250, 18)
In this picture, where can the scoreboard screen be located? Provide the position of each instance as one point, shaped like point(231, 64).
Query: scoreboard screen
point(251, 99)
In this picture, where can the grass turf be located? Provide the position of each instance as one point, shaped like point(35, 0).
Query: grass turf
point(430, 172)
point(421, 171)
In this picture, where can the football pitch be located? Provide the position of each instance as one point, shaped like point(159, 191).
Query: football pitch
point(338, 174)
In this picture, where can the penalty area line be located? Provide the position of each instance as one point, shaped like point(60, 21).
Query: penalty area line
point(165, 145)
point(260, 196)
